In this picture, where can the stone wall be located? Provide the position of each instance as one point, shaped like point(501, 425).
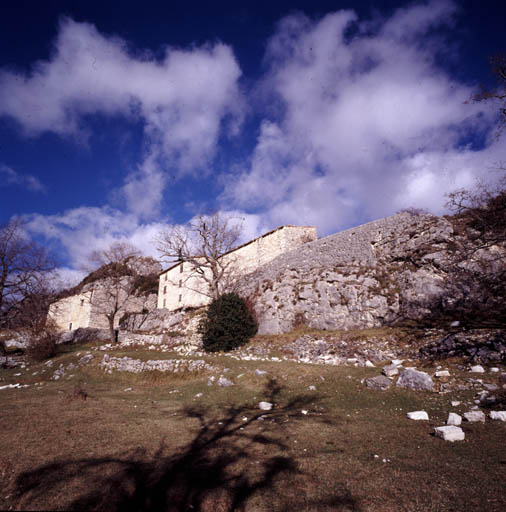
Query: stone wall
point(358, 278)
point(179, 286)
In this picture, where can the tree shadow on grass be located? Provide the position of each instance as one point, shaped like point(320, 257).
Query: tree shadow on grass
point(233, 458)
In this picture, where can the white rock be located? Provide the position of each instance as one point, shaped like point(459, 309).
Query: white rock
point(304, 412)
point(442, 373)
point(198, 395)
point(224, 382)
point(397, 362)
point(498, 415)
point(450, 433)
point(369, 364)
point(312, 388)
point(265, 406)
point(455, 403)
point(456, 323)
point(260, 372)
point(417, 415)
point(391, 370)
point(477, 369)
point(454, 419)
point(473, 416)
point(494, 369)
point(127, 389)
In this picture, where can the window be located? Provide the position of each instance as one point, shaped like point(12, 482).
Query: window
point(70, 326)
point(166, 277)
point(181, 268)
point(82, 302)
point(180, 298)
point(180, 283)
point(164, 302)
point(164, 289)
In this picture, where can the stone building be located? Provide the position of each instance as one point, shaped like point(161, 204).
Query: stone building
point(181, 287)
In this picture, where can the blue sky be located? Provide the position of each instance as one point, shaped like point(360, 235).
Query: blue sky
point(117, 120)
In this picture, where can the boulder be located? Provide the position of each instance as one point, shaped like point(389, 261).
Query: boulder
point(498, 415)
point(454, 419)
point(380, 382)
point(450, 433)
point(391, 370)
point(414, 379)
point(474, 416)
point(418, 415)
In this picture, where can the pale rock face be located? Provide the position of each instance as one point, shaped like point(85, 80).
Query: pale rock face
point(474, 416)
point(454, 419)
point(418, 415)
point(450, 433)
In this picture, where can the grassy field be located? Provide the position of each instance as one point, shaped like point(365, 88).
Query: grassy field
point(84, 443)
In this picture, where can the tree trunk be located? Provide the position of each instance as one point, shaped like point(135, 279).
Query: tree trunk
point(112, 333)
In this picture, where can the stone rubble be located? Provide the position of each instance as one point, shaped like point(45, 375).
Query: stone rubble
point(414, 379)
point(454, 419)
point(474, 416)
point(498, 415)
point(127, 364)
point(450, 433)
point(418, 415)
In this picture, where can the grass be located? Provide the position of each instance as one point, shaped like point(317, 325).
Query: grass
point(159, 447)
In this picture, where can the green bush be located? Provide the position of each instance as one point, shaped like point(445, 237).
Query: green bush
point(228, 324)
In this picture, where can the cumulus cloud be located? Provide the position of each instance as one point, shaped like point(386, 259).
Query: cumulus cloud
point(184, 100)
point(9, 176)
point(367, 122)
point(80, 231)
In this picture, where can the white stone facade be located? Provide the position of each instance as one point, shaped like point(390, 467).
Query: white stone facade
point(179, 287)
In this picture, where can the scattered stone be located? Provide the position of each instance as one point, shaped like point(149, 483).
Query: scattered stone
point(491, 387)
point(455, 403)
point(456, 323)
point(450, 433)
point(14, 386)
point(494, 369)
point(390, 371)
point(312, 388)
point(414, 379)
point(397, 362)
point(304, 411)
point(260, 372)
point(369, 364)
point(442, 373)
point(454, 419)
point(198, 395)
point(477, 369)
point(265, 406)
point(127, 389)
point(380, 382)
point(86, 359)
point(498, 415)
point(224, 382)
point(417, 415)
point(474, 416)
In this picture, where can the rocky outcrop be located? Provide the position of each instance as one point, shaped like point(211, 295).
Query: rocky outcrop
point(375, 274)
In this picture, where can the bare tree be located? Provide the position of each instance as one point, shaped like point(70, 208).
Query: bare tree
point(497, 93)
point(116, 290)
point(202, 244)
point(24, 268)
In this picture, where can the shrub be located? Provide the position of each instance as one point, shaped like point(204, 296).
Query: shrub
point(227, 324)
point(43, 342)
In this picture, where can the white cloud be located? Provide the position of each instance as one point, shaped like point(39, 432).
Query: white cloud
point(82, 230)
point(9, 176)
point(183, 100)
point(367, 122)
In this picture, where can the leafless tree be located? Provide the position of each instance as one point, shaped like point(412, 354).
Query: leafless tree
point(202, 244)
point(116, 290)
point(497, 93)
point(24, 268)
